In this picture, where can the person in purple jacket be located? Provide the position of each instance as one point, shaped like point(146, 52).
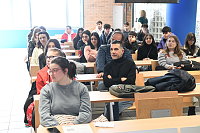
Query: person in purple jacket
point(166, 33)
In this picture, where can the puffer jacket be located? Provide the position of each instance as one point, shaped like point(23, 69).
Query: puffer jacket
point(176, 80)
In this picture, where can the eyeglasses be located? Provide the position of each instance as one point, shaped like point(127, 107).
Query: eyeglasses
point(55, 70)
point(50, 57)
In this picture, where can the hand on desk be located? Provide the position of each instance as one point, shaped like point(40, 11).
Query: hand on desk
point(100, 75)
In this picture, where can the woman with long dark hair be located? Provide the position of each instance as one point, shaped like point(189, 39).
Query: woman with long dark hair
point(43, 37)
point(77, 38)
point(190, 48)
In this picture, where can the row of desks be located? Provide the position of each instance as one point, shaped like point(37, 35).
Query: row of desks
point(142, 124)
point(146, 74)
point(99, 97)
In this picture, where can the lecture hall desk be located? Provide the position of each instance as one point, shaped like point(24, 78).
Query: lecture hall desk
point(143, 124)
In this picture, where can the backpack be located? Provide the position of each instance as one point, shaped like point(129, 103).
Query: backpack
point(127, 91)
point(29, 106)
point(188, 65)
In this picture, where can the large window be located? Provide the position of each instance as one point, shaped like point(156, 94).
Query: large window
point(156, 15)
point(18, 14)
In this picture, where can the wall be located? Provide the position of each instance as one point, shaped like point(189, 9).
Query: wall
point(95, 10)
point(18, 38)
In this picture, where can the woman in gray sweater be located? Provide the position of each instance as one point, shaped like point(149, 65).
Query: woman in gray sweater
point(64, 96)
point(172, 53)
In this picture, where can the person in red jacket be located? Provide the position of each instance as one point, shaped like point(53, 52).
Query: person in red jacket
point(68, 36)
point(43, 77)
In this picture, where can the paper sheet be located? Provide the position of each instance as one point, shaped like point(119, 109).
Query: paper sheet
point(84, 128)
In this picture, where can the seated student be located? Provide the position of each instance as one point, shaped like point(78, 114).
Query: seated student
point(172, 54)
point(103, 55)
point(106, 34)
point(43, 37)
point(52, 43)
point(166, 33)
point(32, 43)
point(131, 44)
point(144, 30)
point(68, 36)
point(64, 96)
point(77, 38)
point(190, 48)
point(119, 71)
point(43, 77)
point(89, 53)
point(85, 41)
point(148, 50)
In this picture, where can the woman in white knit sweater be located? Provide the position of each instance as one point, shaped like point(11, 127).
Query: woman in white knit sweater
point(172, 53)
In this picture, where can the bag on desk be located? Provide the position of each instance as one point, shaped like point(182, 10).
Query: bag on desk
point(127, 91)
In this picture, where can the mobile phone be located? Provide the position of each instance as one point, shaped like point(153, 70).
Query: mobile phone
point(53, 130)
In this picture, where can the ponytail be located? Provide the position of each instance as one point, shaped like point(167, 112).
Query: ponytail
point(72, 70)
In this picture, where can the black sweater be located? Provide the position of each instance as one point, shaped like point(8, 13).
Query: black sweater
point(147, 51)
point(117, 69)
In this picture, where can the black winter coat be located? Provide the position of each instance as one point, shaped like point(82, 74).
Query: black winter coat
point(176, 80)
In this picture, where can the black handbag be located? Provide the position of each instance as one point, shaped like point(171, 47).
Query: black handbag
point(127, 91)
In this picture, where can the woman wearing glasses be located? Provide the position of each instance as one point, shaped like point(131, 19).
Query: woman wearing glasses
point(89, 52)
point(64, 96)
point(190, 48)
point(52, 43)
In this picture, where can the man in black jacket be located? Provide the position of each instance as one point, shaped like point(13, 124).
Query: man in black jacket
point(119, 71)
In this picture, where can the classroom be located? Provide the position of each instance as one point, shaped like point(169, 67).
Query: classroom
point(100, 66)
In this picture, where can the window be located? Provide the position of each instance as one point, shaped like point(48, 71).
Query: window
point(49, 13)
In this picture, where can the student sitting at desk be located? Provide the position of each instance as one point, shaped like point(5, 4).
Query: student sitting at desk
point(190, 48)
point(64, 96)
point(43, 37)
point(52, 43)
point(172, 54)
point(104, 57)
point(91, 53)
point(119, 71)
point(43, 77)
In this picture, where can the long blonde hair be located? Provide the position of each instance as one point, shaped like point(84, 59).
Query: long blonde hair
point(143, 13)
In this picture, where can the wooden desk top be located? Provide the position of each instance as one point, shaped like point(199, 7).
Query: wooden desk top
point(87, 77)
point(97, 97)
point(81, 78)
point(197, 59)
point(73, 57)
point(152, 74)
point(89, 64)
point(143, 124)
point(69, 51)
point(142, 63)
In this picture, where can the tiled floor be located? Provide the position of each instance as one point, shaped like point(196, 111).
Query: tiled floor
point(15, 85)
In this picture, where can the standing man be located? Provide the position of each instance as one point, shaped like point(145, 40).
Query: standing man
point(68, 36)
point(119, 71)
point(99, 28)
